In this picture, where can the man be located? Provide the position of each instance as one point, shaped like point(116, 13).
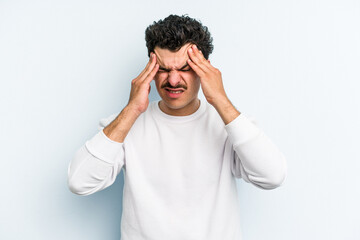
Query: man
point(181, 156)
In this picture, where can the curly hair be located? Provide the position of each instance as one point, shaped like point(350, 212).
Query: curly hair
point(175, 31)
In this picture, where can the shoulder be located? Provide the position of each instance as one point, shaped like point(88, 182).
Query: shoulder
point(103, 122)
point(212, 117)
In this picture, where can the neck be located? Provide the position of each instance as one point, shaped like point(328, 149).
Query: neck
point(190, 108)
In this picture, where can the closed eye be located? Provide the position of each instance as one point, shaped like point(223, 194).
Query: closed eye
point(183, 70)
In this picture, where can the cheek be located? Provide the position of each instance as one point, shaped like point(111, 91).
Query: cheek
point(190, 78)
point(160, 76)
point(196, 84)
point(159, 79)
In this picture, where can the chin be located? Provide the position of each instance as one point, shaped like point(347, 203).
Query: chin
point(175, 104)
point(178, 103)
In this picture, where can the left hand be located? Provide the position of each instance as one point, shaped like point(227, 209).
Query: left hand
point(210, 77)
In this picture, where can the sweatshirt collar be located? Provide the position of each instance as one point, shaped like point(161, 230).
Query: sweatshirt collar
point(158, 112)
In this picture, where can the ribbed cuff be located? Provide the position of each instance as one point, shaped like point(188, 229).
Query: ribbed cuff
point(103, 147)
point(241, 129)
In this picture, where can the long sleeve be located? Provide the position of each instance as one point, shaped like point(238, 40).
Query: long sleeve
point(257, 159)
point(97, 163)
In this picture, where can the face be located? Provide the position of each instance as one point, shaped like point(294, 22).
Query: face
point(177, 84)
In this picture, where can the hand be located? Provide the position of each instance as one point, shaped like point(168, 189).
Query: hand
point(210, 77)
point(212, 85)
point(140, 86)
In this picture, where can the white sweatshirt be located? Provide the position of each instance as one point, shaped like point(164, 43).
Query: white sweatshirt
point(180, 172)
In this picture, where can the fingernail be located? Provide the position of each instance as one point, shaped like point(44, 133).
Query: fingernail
point(190, 49)
point(195, 46)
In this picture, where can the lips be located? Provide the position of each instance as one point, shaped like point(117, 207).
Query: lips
point(174, 92)
point(174, 89)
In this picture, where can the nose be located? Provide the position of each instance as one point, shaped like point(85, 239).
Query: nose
point(174, 78)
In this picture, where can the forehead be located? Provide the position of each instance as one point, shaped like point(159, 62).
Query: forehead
point(172, 60)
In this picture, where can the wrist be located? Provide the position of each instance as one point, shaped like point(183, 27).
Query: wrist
point(118, 129)
point(132, 110)
point(226, 110)
point(222, 103)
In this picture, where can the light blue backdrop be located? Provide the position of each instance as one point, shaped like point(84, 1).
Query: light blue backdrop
point(294, 65)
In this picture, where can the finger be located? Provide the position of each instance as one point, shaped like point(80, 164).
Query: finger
point(148, 65)
point(148, 69)
point(152, 74)
point(198, 52)
point(196, 68)
point(201, 57)
point(195, 59)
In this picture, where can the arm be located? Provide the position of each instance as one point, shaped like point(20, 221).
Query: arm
point(256, 158)
point(97, 163)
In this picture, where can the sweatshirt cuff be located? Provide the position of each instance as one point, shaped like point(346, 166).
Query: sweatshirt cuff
point(103, 147)
point(241, 130)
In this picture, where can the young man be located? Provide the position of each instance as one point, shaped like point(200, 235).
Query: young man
point(181, 156)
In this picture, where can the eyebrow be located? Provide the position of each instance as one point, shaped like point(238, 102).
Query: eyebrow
point(165, 69)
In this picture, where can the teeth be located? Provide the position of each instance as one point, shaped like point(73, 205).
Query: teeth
point(175, 91)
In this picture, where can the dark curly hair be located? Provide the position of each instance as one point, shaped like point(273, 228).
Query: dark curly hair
point(175, 31)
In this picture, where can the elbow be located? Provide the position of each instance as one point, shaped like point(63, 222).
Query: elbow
point(275, 180)
point(74, 187)
point(77, 187)
point(268, 183)
point(278, 176)
point(271, 180)
point(89, 185)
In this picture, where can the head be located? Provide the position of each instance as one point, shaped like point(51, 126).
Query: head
point(177, 84)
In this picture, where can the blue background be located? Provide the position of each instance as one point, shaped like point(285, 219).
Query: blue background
point(293, 65)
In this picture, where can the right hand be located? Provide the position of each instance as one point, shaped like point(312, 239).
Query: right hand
point(140, 86)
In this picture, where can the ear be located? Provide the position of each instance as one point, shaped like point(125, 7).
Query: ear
point(208, 60)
